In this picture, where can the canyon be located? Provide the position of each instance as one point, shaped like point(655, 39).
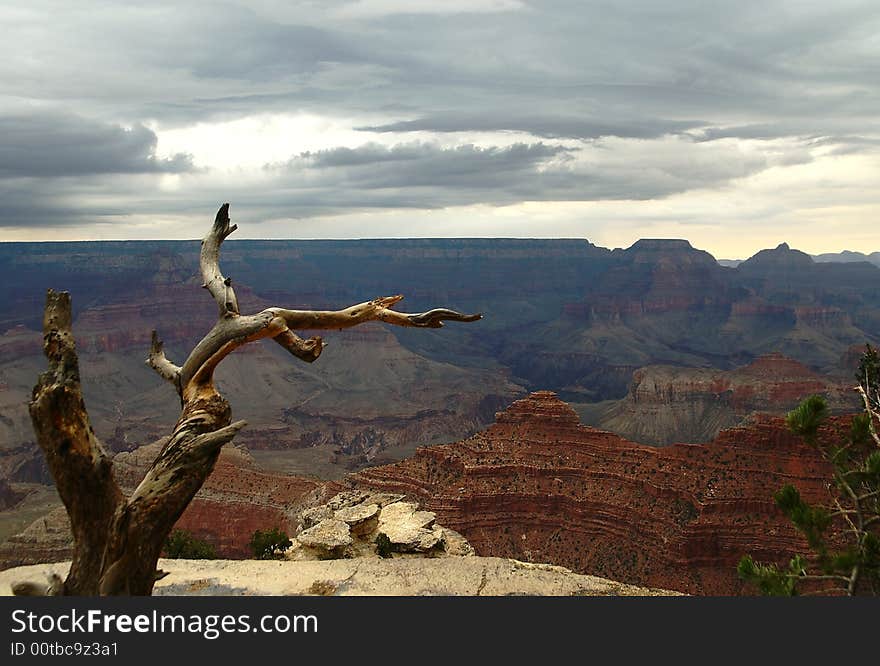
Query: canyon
point(654, 344)
point(539, 486)
point(563, 315)
point(536, 486)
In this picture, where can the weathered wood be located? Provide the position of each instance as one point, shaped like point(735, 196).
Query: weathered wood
point(165, 368)
point(305, 350)
point(209, 263)
point(182, 466)
point(78, 463)
point(118, 540)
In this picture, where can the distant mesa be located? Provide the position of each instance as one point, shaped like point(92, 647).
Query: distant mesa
point(781, 256)
point(659, 249)
point(847, 257)
point(661, 244)
point(844, 257)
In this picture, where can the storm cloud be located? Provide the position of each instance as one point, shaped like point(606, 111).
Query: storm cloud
point(300, 109)
point(550, 127)
point(55, 144)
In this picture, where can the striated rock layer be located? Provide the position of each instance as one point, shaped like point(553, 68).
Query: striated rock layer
point(669, 404)
point(539, 486)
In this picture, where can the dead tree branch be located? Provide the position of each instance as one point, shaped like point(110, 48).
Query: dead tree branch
point(79, 464)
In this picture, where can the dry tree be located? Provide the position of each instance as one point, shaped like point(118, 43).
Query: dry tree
point(118, 539)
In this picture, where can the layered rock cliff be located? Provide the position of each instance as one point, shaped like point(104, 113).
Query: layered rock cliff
point(539, 486)
point(668, 404)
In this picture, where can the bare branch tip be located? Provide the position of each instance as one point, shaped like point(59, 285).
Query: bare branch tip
point(388, 301)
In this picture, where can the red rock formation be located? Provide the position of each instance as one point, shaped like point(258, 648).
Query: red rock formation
point(822, 317)
point(669, 404)
point(758, 307)
point(539, 486)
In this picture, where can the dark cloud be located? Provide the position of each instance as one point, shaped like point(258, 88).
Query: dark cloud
point(58, 202)
point(419, 164)
point(551, 127)
point(413, 175)
point(53, 145)
point(646, 98)
point(423, 175)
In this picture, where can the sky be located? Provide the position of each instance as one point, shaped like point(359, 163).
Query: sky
point(736, 125)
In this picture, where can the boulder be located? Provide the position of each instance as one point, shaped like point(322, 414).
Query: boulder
point(407, 528)
point(455, 544)
point(329, 538)
point(362, 518)
point(351, 521)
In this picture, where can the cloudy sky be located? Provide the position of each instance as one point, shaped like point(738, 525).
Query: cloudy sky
point(737, 125)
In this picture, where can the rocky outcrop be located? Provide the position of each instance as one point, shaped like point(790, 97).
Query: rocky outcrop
point(668, 404)
point(359, 524)
point(448, 576)
point(238, 499)
point(539, 486)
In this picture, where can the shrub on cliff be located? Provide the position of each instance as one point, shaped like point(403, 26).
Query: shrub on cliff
point(844, 535)
point(384, 547)
point(269, 544)
point(180, 544)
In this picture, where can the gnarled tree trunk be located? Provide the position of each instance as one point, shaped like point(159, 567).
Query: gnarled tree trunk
point(118, 539)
